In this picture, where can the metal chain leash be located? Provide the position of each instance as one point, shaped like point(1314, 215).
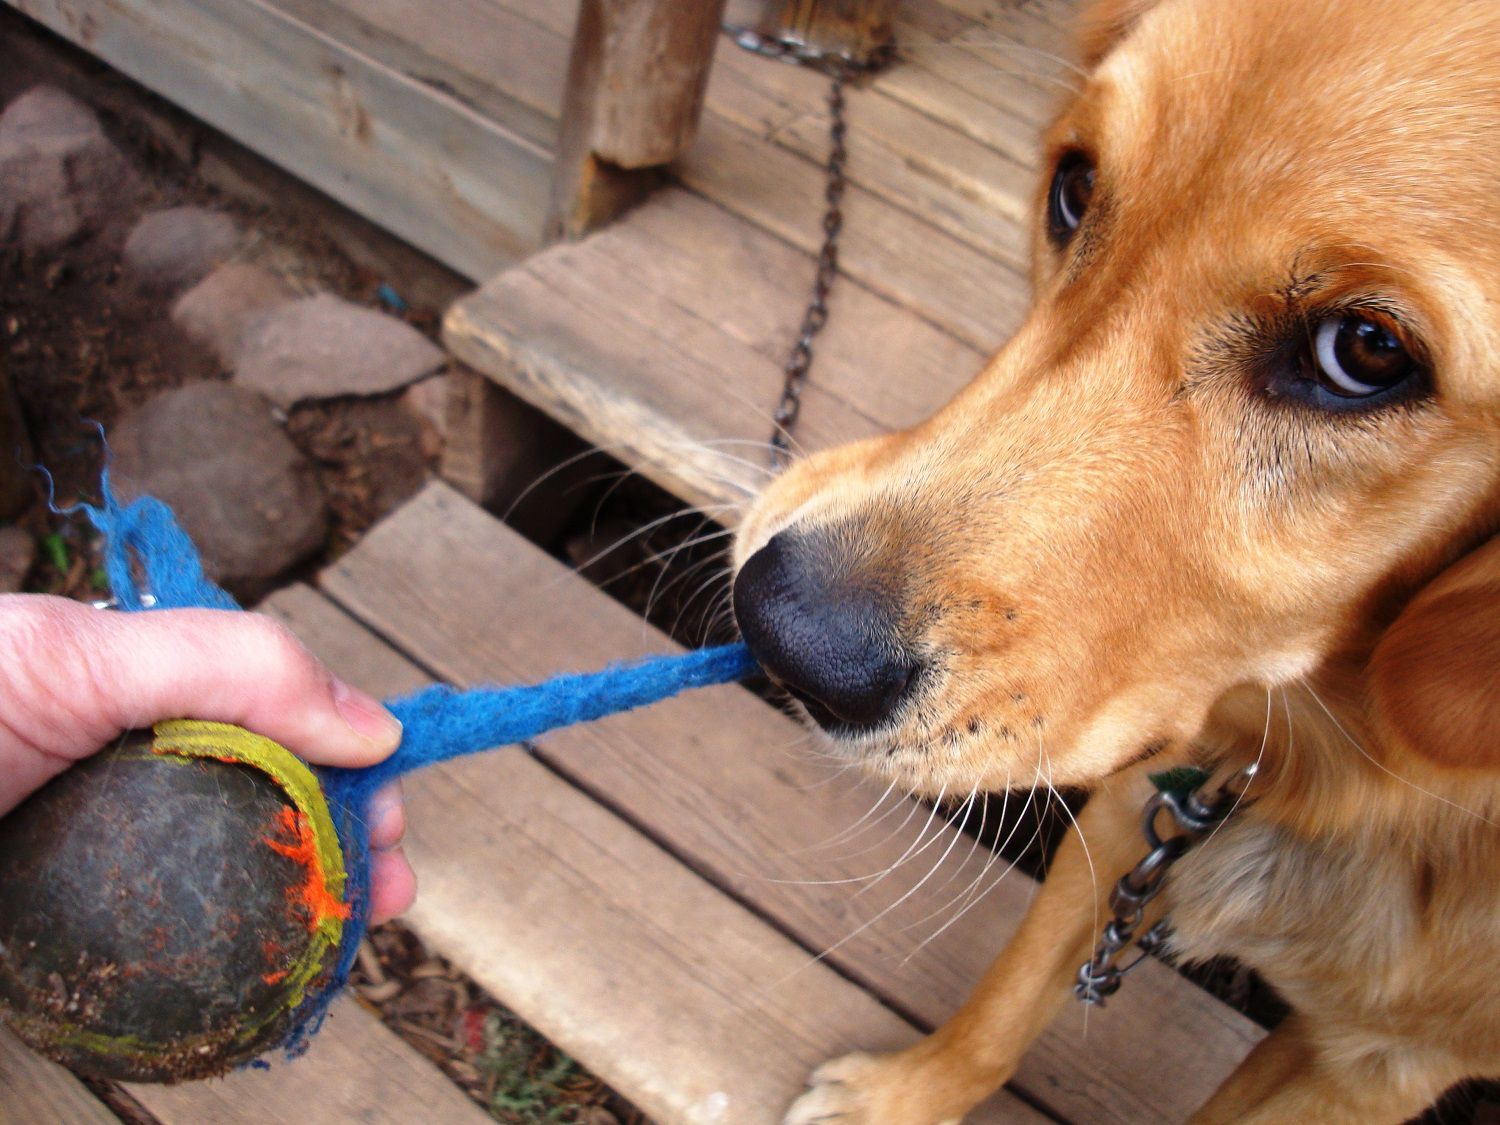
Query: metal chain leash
point(841, 68)
point(1194, 817)
point(799, 360)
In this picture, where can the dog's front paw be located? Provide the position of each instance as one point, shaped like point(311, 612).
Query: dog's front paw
point(861, 1089)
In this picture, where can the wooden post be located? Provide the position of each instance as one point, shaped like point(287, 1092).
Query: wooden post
point(860, 30)
point(635, 90)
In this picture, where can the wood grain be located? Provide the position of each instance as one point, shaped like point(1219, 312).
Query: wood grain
point(683, 1000)
point(888, 249)
point(717, 778)
point(677, 361)
point(498, 62)
point(400, 152)
point(34, 1090)
point(355, 1070)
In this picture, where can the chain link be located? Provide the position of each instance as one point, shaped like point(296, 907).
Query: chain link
point(841, 67)
point(1194, 817)
point(799, 361)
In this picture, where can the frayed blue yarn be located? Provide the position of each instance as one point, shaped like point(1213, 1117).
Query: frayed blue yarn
point(146, 550)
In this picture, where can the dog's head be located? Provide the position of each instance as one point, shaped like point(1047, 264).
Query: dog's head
point(1255, 408)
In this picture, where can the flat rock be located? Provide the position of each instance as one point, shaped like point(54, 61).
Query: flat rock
point(239, 486)
point(60, 176)
point(325, 347)
point(17, 556)
point(218, 311)
point(177, 246)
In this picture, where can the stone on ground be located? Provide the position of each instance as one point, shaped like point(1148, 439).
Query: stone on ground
point(17, 556)
point(177, 247)
point(325, 347)
point(218, 311)
point(60, 176)
point(239, 486)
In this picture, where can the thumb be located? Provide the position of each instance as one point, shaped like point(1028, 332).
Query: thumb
point(75, 677)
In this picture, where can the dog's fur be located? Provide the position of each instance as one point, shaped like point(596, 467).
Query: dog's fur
point(1125, 539)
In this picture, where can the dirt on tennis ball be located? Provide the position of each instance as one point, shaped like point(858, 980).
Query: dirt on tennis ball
point(152, 922)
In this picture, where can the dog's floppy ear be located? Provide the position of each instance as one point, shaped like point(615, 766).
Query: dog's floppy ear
point(1435, 674)
point(1104, 24)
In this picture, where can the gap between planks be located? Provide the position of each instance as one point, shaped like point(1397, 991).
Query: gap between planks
point(626, 959)
point(717, 778)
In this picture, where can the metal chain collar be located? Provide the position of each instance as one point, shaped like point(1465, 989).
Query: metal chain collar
point(1194, 817)
point(840, 67)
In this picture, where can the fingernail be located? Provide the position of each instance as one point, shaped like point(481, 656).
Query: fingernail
point(385, 817)
point(366, 716)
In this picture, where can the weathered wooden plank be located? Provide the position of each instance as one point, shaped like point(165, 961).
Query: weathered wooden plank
point(34, 1090)
point(356, 1070)
point(620, 385)
point(689, 320)
point(714, 777)
point(409, 157)
point(892, 366)
point(888, 249)
point(494, 60)
point(932, 169)
point(1018, 67)
point(925, 85)
point(684, 1001)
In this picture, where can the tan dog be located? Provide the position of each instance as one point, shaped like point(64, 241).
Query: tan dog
point(1229, 494)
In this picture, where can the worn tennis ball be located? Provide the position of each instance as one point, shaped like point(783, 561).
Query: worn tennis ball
point(168, 904)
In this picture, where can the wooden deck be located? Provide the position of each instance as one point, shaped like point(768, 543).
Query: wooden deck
point(694, 298)
point(655, 892)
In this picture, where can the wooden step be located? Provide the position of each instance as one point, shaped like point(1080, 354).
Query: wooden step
point(33, 1089)
point(680, 997)
point(356, 1069)
point(716, 779)
point(661, 339)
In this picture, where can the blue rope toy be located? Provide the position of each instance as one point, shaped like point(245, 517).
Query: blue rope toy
point(145, 549)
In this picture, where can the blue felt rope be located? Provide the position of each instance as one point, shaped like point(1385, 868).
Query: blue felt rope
point(145, 549)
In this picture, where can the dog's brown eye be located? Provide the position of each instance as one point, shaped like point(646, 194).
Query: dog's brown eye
point(1072, 187)
point(1357, 356)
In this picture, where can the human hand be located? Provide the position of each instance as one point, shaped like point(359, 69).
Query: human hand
point(73, 678)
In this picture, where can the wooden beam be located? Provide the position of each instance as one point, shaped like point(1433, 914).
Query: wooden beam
point(411, 158)
point(636, 81)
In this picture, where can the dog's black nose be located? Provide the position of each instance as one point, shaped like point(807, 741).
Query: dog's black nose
point(830, 638)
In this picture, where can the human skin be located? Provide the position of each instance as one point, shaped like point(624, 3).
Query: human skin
point(72, 679)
